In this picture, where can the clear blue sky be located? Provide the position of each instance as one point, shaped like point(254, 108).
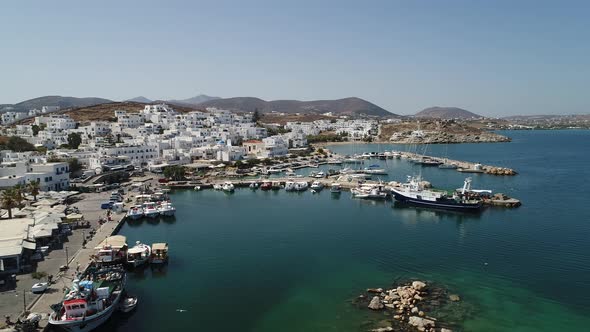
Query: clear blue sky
point(490, 57)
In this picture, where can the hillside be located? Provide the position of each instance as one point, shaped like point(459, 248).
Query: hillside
point(63, 102)
point(194, 100)
point(140, 99)
point(346, 106)
point(436, 132)
point(446, 113)
point(106, 112)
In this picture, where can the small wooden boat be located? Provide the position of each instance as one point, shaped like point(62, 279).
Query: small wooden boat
point(128, 304)
point(159, 253)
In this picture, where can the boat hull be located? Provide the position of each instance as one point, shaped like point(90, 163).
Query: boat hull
point(445, 205)
point(89, 323)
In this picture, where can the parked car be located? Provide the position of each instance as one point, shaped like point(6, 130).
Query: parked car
point(39, 287)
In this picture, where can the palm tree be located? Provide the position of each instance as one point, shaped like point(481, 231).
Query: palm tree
point(19, 196)
point(33, 188)
point(8, 201)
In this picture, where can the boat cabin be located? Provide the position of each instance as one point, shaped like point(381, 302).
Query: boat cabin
point(75, 308)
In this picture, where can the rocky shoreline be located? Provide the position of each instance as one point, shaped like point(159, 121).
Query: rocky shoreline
point(413, 306)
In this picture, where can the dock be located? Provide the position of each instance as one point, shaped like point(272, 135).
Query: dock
point(464, 166)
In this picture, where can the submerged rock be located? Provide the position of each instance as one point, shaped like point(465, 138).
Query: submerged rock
point(375, 303)
point(418, 285)
point(454, 298)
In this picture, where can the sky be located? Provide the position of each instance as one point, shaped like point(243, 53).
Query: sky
point(493, 58)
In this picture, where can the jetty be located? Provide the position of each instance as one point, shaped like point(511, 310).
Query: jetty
point(463, 166)
point(499, 199)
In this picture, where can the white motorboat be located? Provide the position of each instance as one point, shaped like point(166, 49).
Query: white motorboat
point(111, 250)
point(369, 191)
point(135, 212)
point(138, 254)
point(217, 186)
point(253, 185)
point(301, 186)
point(335, 188)
point(228, 187)
point(374, 169)
point(317, 186)
point(150, 210)
point(90, 301)
point(289, 186)
point(396, 154)
point(166, 209)
point(128, 304)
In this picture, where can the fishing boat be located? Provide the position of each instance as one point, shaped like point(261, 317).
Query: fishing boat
point(128, 304)
point(166, 209)
point(138, 254)
point(90, 301)
point(159, 253)
point(335, 188)
point(150, 210)
point(317, 186)
point(414, 193)
point(369, 191)
point(135, 212)
point(228, 187)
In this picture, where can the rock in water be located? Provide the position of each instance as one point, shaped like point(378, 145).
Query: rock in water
point(418, 285)
point(383, 329)
point(454, 298)
point(420, 323)
point(375, 303)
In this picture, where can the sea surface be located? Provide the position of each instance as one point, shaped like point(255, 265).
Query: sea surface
point(278, 261)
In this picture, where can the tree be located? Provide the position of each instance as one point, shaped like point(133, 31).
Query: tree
point(74, 140)
point(74, 166)
point(256, 115)
point(8, 201)
point(36, 129)
point(175, 173)
point(17, 144)
point(18, 192)
point(33, 188)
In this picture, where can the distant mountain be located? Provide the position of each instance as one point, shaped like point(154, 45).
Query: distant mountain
point(346, 106)
point(446, 113)
point(140, 99)
point(63, 102)
point(195, 100)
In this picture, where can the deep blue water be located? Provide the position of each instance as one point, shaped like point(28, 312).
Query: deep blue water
point(270, 261)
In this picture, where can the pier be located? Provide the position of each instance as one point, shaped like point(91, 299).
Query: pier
point(464, 166)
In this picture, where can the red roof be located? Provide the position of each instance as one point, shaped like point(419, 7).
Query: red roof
point(252, 141)
point(75, 301)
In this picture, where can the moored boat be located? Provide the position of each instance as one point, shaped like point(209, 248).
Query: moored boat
point(228, 187)
point(414, 193)
point(335, 188)
point(166, 209)
point(159, 253)
point(128, 304)
point(138, 254)
point(317, 186)
point(90, 301)
point(150, 210)
point(135, 212)
point(111, 250)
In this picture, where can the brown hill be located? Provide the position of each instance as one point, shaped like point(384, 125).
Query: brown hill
point(446, 113)
point(346, 106)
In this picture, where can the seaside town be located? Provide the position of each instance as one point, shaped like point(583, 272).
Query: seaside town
point(68, 187)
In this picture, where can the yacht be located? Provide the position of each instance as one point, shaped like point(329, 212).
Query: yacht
point(228, 187)
point(166, 209)
point(90, 301)
point(150, 210)
point(414, 193)
point(374, 169)
point(317, 186)
point(139, 254)
point(135, 212)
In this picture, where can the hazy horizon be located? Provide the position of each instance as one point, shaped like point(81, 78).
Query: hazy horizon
point(495, 59)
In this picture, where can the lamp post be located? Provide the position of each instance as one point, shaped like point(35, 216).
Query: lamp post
point(67, 258)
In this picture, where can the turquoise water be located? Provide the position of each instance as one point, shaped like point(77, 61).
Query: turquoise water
point(278, 261)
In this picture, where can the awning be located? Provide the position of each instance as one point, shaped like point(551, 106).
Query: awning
point(74, 217)
point(115, 241)
point(29, 245)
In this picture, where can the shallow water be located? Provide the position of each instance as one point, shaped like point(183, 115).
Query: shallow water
point(270, 261)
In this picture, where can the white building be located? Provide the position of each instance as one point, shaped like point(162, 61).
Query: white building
point(11, 117)
point(56, 122)
point(132, 120)
point(51, 176)
point(275, 146)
